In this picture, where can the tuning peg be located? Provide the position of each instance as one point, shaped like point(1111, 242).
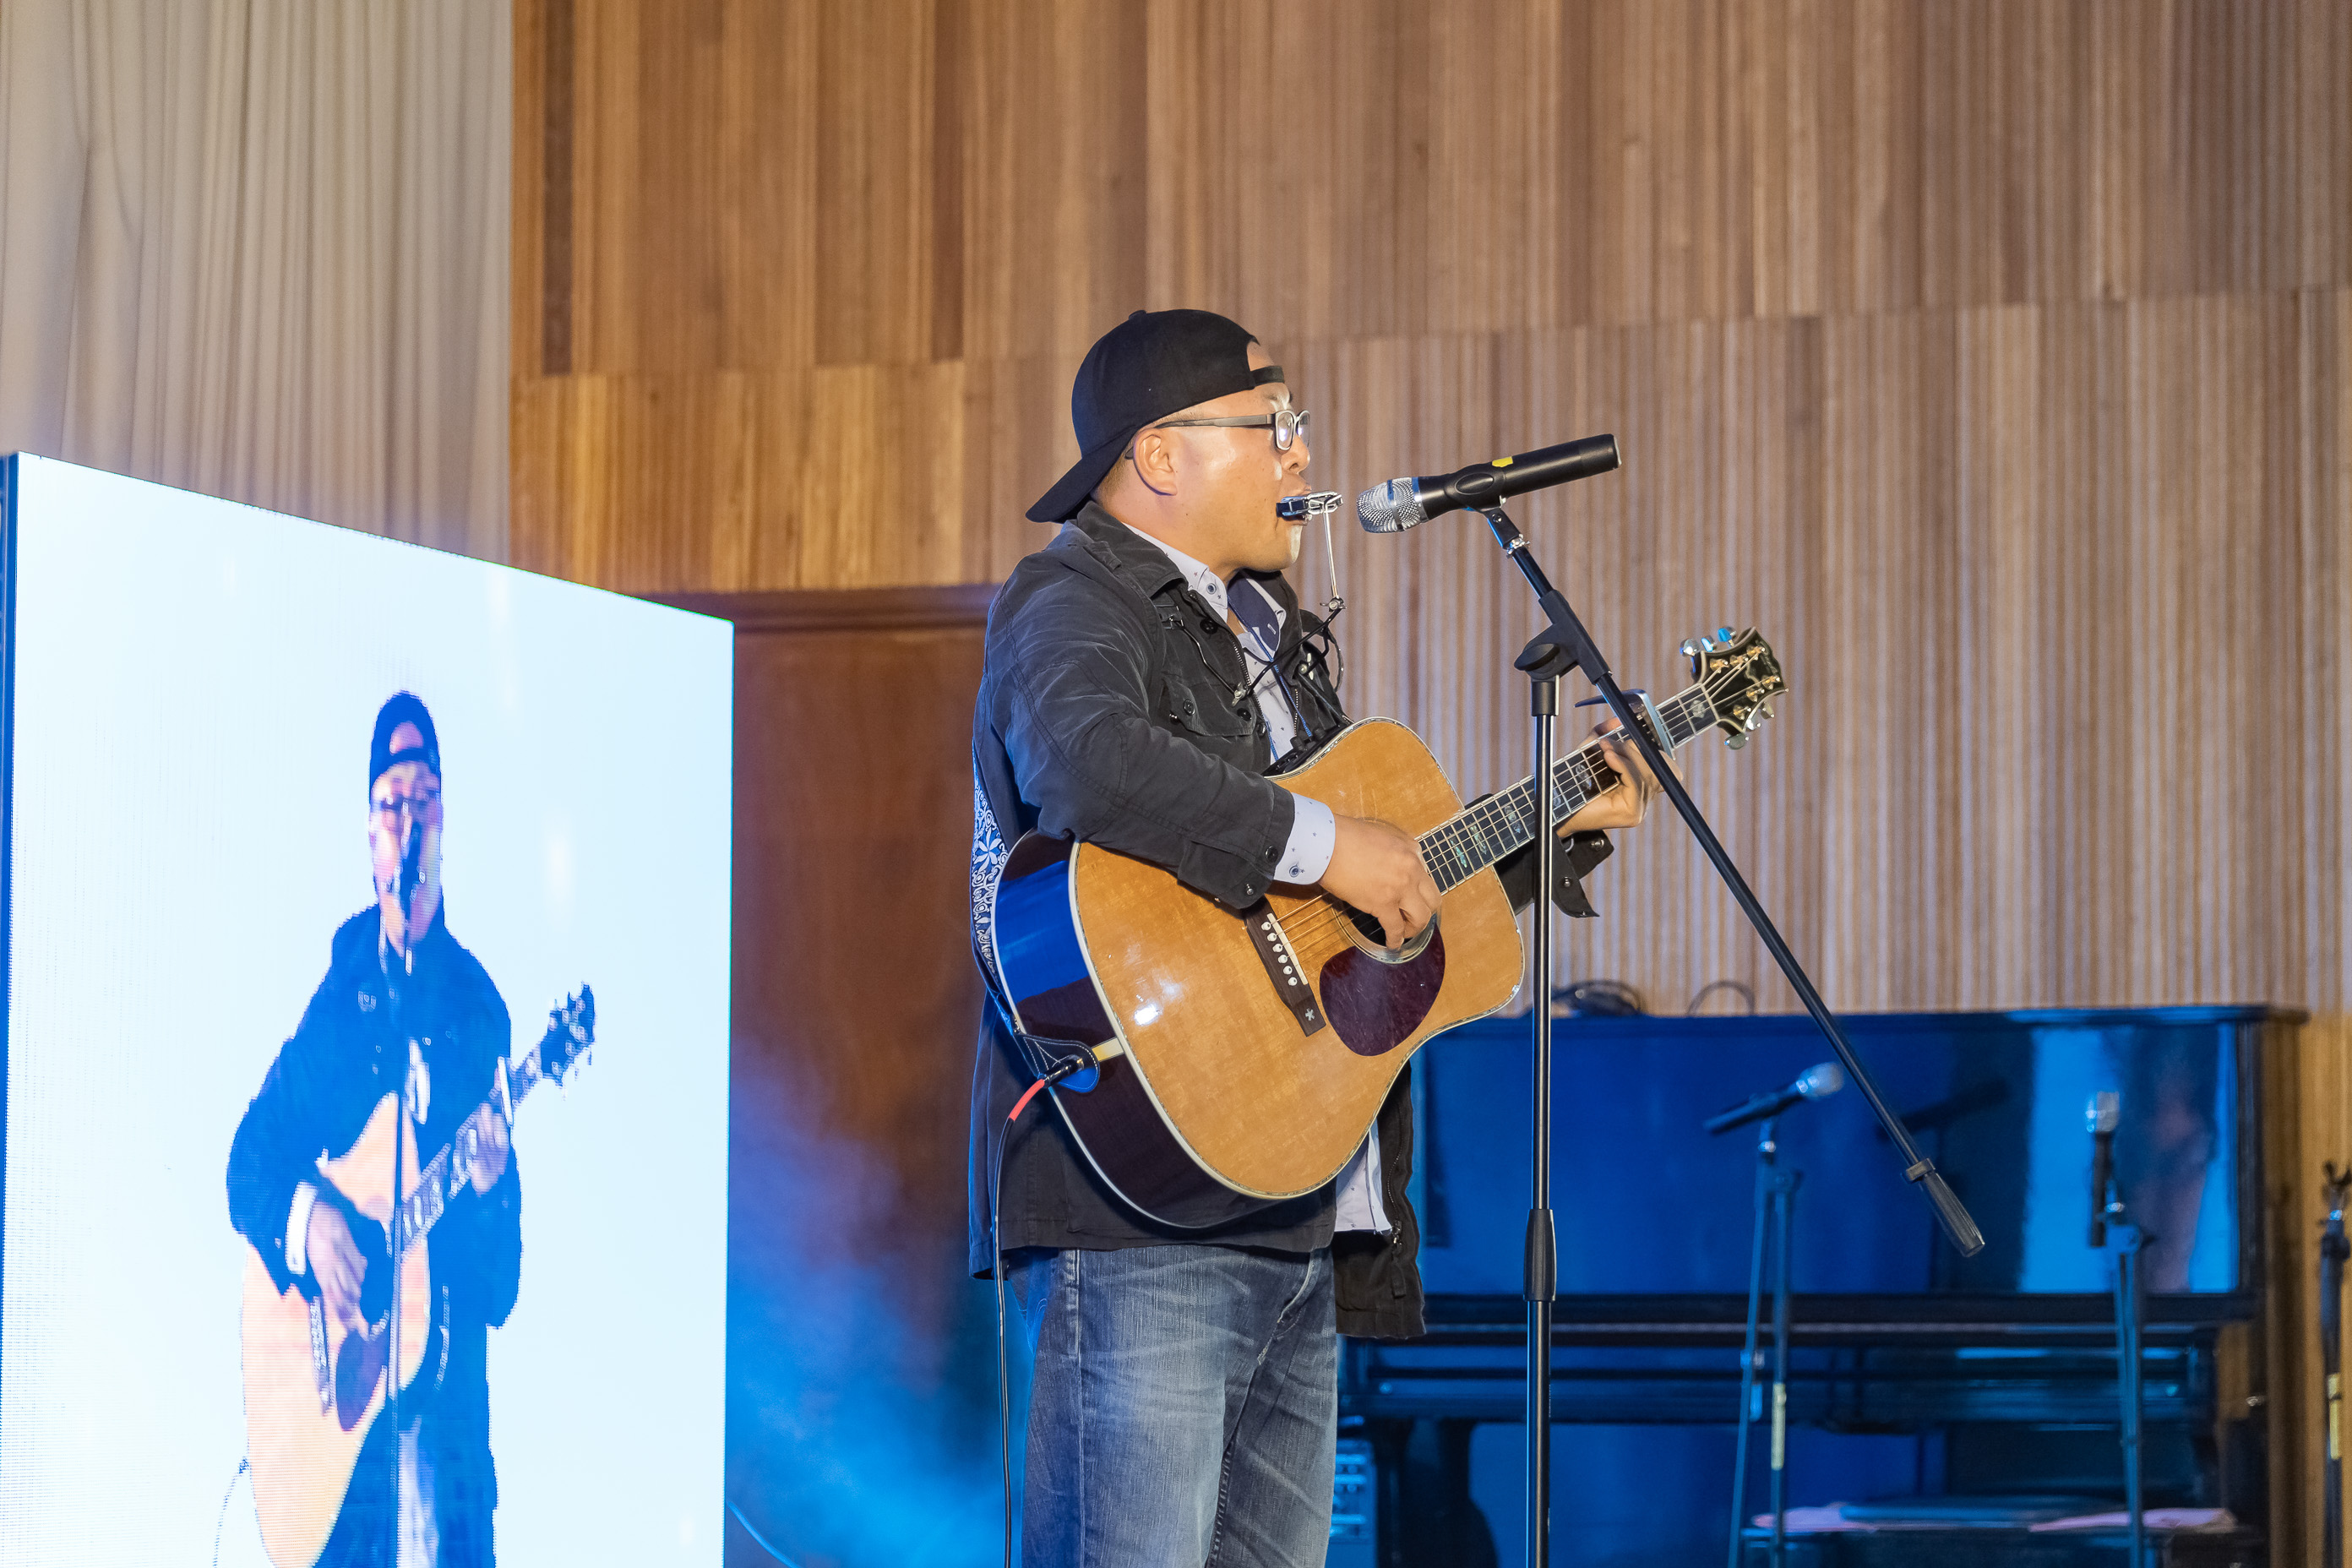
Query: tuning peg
point(1695, 651)
point(1722, 636)
point(1735, 740)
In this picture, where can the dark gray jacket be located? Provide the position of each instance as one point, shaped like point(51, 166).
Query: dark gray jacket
point(1114, 710)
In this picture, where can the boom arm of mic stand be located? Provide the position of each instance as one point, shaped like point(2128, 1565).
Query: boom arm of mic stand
point(1564, 643)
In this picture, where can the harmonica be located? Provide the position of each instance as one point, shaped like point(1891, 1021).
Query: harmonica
point(1292, 509)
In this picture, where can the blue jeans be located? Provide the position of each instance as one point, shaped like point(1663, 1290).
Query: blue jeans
point(1182, 1407)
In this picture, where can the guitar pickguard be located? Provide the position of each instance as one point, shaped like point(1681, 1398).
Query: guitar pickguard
point(1376, 1005)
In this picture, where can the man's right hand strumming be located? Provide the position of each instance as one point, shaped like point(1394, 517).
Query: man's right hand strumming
point(1378, 868)
point(335, 1262)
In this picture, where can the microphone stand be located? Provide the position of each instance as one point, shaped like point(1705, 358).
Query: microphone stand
point(2108, 1214)
point(1776, 1212)
point(2334, 1250)
point(402, 1102)
point(411, 854)
point(2130, 1306)
point(1542, 1270)
point(1564, 645)
point(1784, 1217)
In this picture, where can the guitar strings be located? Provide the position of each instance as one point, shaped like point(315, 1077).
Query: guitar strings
point(1323, 913)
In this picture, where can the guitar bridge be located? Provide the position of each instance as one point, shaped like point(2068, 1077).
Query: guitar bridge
point(322, 1366)
point(1281, 967)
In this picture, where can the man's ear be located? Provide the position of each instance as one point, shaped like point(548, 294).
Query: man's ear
point(1155, 461)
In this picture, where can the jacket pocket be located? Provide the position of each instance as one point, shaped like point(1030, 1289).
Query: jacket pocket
point(1204, 713)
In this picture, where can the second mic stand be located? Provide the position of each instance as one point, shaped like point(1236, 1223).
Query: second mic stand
point(1776, 1214)
point(1564, 645)
point(2128, 1243)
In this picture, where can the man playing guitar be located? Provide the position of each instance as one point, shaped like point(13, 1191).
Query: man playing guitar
point(403, 1010)
point(1143, 673)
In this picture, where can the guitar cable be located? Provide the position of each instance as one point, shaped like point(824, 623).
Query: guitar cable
point(764, 1543)
point(221, 1522)
point(1060, 1070)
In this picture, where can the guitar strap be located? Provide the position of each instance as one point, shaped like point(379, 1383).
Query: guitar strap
point(989, 852)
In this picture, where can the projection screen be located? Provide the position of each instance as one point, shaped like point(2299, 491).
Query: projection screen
point(216, 1042)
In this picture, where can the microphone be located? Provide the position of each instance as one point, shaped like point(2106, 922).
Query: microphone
point(1400, 504)
point(2099, 1120)
point(412, 865)
point(1816, 1082)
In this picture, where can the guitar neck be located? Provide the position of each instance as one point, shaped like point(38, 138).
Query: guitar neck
point(448, 1173)
point(1461, 846)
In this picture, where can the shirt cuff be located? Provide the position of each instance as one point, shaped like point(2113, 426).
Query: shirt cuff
point(1314, 830)
point(298, 1229)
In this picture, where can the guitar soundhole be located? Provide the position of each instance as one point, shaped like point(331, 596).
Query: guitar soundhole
point(1376, 940)
point(1375, 1004)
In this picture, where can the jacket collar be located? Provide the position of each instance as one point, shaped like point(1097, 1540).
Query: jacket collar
point(360, 940)
point(1145, 567)
point(1140, 563)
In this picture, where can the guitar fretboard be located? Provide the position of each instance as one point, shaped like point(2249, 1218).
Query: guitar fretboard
point(1461, 846)
point(453, 1167)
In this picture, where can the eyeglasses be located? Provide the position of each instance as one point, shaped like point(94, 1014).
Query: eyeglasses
point(1289, 425)
point(413, 805)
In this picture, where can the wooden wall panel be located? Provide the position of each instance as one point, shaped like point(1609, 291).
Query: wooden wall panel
point(765, 188)
point(1994, 358)
point(847, 1087)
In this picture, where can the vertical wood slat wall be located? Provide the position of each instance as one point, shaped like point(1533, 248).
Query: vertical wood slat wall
point(1995, 359)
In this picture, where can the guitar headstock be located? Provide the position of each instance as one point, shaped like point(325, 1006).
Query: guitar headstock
point(1742, 675)
point(571, 1036)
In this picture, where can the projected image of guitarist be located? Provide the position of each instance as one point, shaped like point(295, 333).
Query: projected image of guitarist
point(405, 1020)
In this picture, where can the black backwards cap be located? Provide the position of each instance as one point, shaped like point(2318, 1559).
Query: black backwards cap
point(1146, 368)
point(403, 708)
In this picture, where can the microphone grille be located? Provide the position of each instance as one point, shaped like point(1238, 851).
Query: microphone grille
point(1390, 507)
point(1822, 1080)
point(2105, 1111)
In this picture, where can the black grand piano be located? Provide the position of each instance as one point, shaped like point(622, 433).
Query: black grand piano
point(1955, 1399)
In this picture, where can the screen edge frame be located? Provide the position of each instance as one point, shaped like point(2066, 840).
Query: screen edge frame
point(11, 467)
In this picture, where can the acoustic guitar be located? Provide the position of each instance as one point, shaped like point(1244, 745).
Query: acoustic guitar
point(1240, 1058)
point(312, 1388)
